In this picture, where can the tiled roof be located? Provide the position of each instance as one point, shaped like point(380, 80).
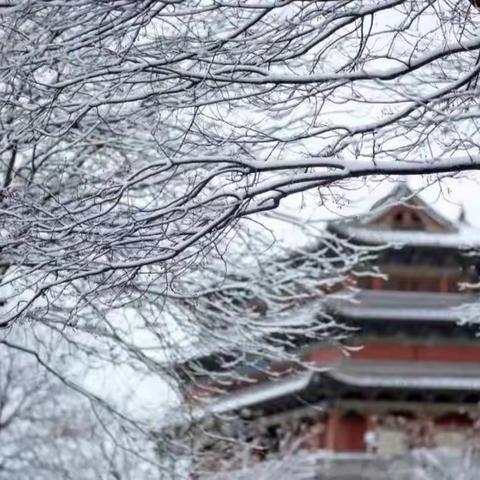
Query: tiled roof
point(415, 375)
point(403, 305)
point(464, 238)
point(261, 392)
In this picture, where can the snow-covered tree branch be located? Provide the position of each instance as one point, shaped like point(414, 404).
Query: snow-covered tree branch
point(143, 140)
point(136, 135)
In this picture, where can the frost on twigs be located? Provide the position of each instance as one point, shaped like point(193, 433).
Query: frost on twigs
point(140, 138)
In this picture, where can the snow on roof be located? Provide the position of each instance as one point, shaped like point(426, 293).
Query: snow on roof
point(398, 374)
point(261, 392)
point(241, 398)
point(409, 368)
point(464, 238)
point(357, 373)
point(300, 219)
point(404, 314)
point(425, 382)
point(402, 193)
point(363, 374)
point(456, 234)
point(403, 305)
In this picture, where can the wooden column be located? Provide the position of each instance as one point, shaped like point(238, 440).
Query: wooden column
point(377, 283)
point(332, 429)
point(443, 284)
point(345, 432)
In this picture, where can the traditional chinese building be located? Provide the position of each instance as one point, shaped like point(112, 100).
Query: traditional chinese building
point(411, 377)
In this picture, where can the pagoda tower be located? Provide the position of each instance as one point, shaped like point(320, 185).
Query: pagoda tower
point(410, 377)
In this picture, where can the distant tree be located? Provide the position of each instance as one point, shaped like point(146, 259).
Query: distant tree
point(49, 432)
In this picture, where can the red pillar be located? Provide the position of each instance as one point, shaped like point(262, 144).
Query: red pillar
point(331, 429)
point(345, 433)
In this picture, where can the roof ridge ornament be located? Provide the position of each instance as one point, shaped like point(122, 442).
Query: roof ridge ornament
point(401, 191)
